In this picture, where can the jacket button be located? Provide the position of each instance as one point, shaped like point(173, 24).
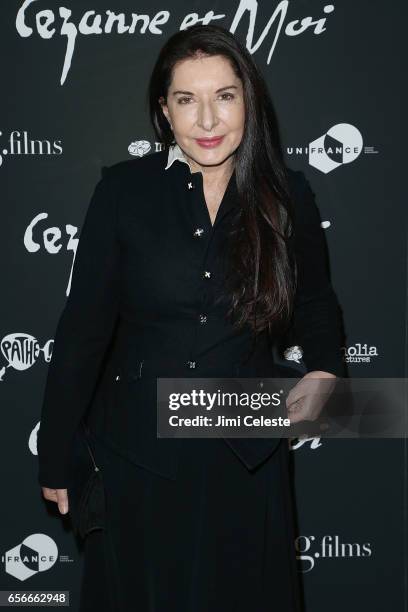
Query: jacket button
point(198, 232)
point(207, 274)
point(191, 364)
point(203, 318)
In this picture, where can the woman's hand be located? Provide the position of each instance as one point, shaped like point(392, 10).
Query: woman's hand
point(307, 398)
point(60, 496)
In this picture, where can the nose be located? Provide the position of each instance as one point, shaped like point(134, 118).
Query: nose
point(207, 115)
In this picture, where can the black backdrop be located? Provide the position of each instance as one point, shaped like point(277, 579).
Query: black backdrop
point(73, 102)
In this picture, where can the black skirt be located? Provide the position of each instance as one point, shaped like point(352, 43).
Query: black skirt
point(216, 539)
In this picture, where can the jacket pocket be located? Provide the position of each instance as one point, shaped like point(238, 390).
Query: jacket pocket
point(86, 493)
point(126, 373)
point(126, 384)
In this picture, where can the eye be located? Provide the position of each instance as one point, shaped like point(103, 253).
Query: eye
point(183, 100)
point(231, 96)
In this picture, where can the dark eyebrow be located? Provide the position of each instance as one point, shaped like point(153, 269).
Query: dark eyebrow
point(190, 93)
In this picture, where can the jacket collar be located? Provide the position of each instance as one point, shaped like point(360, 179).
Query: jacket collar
point(175, 153)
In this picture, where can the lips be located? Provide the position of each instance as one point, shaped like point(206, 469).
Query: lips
point(209, 142)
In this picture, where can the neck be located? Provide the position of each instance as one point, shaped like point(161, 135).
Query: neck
point(213, 175)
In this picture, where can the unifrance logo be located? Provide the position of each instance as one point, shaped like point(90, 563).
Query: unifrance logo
point(36, 553)
point(310, 549)
point(342, 144)
point(20, 143)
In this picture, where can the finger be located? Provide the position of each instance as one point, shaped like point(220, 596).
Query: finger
point(294, 414)
point(300, 411)
point(294, 394)
point(298, 391)
point(62, 499)
point(307, 389)
point(49, 494)
point(305, 412)
point(293, 405)
point(295, 417)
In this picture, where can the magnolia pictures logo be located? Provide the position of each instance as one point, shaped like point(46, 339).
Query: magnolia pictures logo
point(359, 353)
point(340, 145)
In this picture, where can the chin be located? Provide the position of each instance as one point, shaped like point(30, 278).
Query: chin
point(211, 156)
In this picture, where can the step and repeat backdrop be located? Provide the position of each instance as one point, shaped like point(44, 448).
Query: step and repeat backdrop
point(73, 77)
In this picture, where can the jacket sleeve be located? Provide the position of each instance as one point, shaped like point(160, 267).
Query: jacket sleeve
point(317, 321)
point(82, 335)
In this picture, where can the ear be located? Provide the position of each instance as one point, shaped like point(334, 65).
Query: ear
point(164, 108)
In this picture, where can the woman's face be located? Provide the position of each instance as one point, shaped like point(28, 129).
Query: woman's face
point(205, 99)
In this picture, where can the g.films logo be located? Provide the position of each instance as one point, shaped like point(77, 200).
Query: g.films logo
point(309, 549)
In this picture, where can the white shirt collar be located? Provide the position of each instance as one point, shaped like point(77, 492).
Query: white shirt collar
point(176, 153)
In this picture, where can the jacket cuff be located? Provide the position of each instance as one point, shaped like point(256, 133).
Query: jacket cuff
point(331, 363)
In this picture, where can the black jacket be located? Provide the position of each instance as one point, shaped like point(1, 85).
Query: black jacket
point(146, 272)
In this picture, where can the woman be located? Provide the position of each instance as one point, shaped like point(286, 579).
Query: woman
point(192, 262)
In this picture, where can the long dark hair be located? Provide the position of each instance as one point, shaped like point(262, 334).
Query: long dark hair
point(261, 272)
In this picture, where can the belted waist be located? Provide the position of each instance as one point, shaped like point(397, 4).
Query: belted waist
point(156, 367)
point(134, 368)
point(138, 356)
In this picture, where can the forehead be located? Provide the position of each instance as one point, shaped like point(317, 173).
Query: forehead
point(203, 71)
